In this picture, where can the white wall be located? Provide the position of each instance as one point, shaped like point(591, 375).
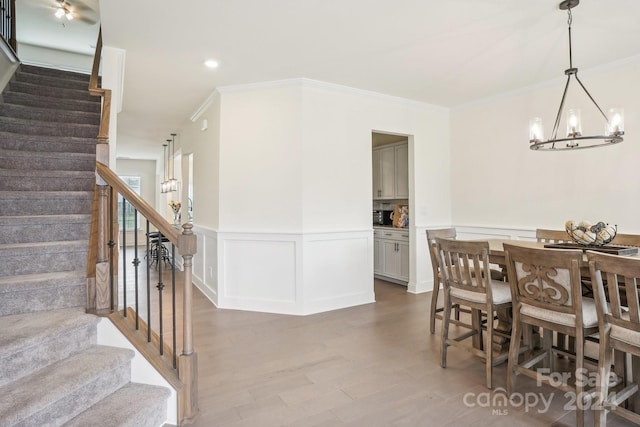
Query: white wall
point(52, 58)
point(293, 174)
point(498, 181)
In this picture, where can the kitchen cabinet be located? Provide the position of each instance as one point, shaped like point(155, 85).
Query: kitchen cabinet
point(391, 254)
point(391, 172)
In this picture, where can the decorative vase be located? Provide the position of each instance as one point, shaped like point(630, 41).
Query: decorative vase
point(176, 217)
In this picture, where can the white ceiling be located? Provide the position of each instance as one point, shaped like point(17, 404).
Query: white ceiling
point(446, 53)
point(38, 26)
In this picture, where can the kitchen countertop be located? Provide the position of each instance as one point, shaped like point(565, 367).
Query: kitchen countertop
point(389, 227)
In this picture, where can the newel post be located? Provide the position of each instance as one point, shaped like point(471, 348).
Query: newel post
point(188, 361)
point(103, 288)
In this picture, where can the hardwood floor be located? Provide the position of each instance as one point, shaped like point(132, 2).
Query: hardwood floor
point(371, 365)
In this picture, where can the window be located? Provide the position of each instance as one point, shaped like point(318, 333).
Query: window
point(128, 222)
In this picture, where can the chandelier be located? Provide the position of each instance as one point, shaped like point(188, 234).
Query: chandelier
point(172, 182)
point(164, 185)
point(614, 126)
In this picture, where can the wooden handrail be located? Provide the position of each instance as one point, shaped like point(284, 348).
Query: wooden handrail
point(95, 90)
point(139, 203)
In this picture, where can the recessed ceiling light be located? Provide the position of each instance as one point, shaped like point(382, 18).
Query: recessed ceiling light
point(211, 63)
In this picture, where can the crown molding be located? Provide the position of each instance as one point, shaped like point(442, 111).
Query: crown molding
point(303, 82)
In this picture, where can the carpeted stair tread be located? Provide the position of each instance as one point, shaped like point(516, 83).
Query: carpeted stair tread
point(49, 80)
point(20, 159)
point(50, 246)
point(36, 127)
point(48, 115)
point(53, 72)
point(33, 341)
point(44, 219)
point(43, 228)
point(47, 143)
point(41, 257)
point(42, 280)
point(46, 180)
point(27, 330)
point(59, 392)
point(45, 291)
point(117, 410)
point(45, 202)
point(39, 101)
point(50, 91)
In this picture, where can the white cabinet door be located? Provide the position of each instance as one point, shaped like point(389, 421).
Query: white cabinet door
point(376, 188)
point(390, 172)
point(387, 173)
point(403, 251)
point(377, 256)
point(390, 258)
point(401, 171)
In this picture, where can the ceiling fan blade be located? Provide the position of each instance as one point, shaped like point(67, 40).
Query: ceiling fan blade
point(86, 19)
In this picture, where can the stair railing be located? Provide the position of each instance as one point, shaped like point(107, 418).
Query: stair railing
point(8, 22)
point(144, 329)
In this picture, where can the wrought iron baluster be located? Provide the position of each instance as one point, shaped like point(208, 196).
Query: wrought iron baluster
point(136, 263)
point(173, 300)
point(160, 288)
point(111, 245)
point(148, 286)
point(124, 257)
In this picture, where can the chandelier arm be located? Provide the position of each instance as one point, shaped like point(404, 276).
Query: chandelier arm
point(569, 29)
point(591, 98)
point(554, 133)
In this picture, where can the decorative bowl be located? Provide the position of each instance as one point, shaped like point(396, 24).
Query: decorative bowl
point(586, 234)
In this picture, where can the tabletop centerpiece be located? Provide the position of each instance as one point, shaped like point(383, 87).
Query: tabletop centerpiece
point(175, 207)
point(586, 234)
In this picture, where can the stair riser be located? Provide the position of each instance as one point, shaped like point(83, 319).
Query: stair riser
point(72, 404)
point(55, 92)
point(42, 262)
point(48, 232)
point(38, 162)
point(46, 206)
point(52, 81)
point(32, 300)
point(47, 144)
point(18, 98)
point(29, 127)
point(57, 117)
point(25, 183)
point(47, 352)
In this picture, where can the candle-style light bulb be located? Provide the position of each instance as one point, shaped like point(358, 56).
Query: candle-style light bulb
point(615, 126)
point(536, 130)
point(574, 127)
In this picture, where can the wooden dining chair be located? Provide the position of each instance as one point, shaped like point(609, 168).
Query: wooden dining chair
point(547, 293)
point(552, 236)
point(626, 240)
point(619, 326)
point(545, 235)
point(467, 282)
point(434, 313)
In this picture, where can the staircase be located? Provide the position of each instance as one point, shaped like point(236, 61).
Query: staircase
point(52, 372)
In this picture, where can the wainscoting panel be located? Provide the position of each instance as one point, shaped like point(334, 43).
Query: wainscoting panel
point(259, 270)
point(338, 270)
point(205, 262)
